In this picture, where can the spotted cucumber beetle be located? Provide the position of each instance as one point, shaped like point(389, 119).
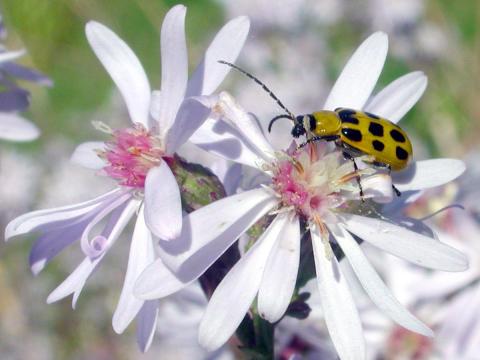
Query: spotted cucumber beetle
point(356, 132)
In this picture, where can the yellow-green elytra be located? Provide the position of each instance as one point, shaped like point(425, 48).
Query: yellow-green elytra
point(367, 133)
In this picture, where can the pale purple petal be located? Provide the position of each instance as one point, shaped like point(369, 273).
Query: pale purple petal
point(426, 174)
point(234, 295)
point(209, 231)
point(226, 46)
point(408, 245)
point(222, 139)
point(174, 66)
point(374, 285)
point(21, 72)
point(86, 155)
point(146, 324)
point(157, 281)
point(51, 219)
point(51, 243)
point(124, 68)
point(360, 74)
point(14, 99)
point(74, 283)
point(395, 100)
point(341, 316)
point(140, 256)
point(98, 244)
point(191, 115)
point(278, 282)
point(15, 128)
point(163, 204)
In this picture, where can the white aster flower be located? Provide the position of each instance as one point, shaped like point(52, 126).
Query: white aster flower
point(316, 186)
point(139, 157)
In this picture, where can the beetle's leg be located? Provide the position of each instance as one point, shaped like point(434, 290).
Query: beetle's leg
point(397, 192)
point(347, 156)
point(318, 138)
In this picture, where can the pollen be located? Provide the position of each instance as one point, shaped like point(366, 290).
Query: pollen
point(130, 154)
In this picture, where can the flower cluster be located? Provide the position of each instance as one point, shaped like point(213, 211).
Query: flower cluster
point(307, 204)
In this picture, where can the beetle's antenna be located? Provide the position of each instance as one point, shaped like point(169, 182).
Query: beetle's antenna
point(275, 119)
point(289, 114)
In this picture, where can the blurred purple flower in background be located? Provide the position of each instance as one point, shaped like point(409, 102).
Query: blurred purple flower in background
point(13, 98)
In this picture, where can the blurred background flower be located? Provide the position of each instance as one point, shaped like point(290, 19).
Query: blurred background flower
point(298, 48)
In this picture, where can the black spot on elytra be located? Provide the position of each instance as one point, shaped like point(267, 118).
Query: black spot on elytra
point(375, 129)
point(378, 145)
point(348, 116)
point(397, 136)
point(352, 134)
point(401, 153)
point(373, 116)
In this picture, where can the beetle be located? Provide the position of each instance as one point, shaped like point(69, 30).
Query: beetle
point(356, 132)
point(359, 131)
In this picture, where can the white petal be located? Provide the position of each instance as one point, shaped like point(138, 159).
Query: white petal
point(378, 187)
point(375, 287)
point(174, 65)
point(280, 276)
point(360, 74)
point(395, 100)
point(155, 114)
point(240, 285)
point(341, 316)
point(86, 155)
point(43, 220)
point(163, 205)
point(209, 231)
point(141, 255)
point(191, 115)
point(146, 325)
point(406, 244)
point(157, 281)
point(426, 174)
point(11, 55)
point(124, 68)
point(233, 113)
point(225, 46)
point(15, 128)
point(222, 139)
point(74, 283)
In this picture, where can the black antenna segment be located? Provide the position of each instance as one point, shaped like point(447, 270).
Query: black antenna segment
point(272, 95)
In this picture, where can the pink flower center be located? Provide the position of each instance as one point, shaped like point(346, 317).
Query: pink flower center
point(131, 154)
point(311, 181)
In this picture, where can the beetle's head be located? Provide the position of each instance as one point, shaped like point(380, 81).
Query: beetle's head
point(299, 127)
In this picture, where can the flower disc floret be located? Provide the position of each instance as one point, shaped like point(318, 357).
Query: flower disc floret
point(131, 154)
point(312, 181)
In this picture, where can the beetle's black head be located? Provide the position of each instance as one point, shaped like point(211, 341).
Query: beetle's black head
point(299, 129)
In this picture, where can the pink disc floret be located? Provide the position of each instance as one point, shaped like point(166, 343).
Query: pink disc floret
point(307, 180)
point(131, 154)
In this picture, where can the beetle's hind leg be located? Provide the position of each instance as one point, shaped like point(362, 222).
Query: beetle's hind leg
point(348, 156)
